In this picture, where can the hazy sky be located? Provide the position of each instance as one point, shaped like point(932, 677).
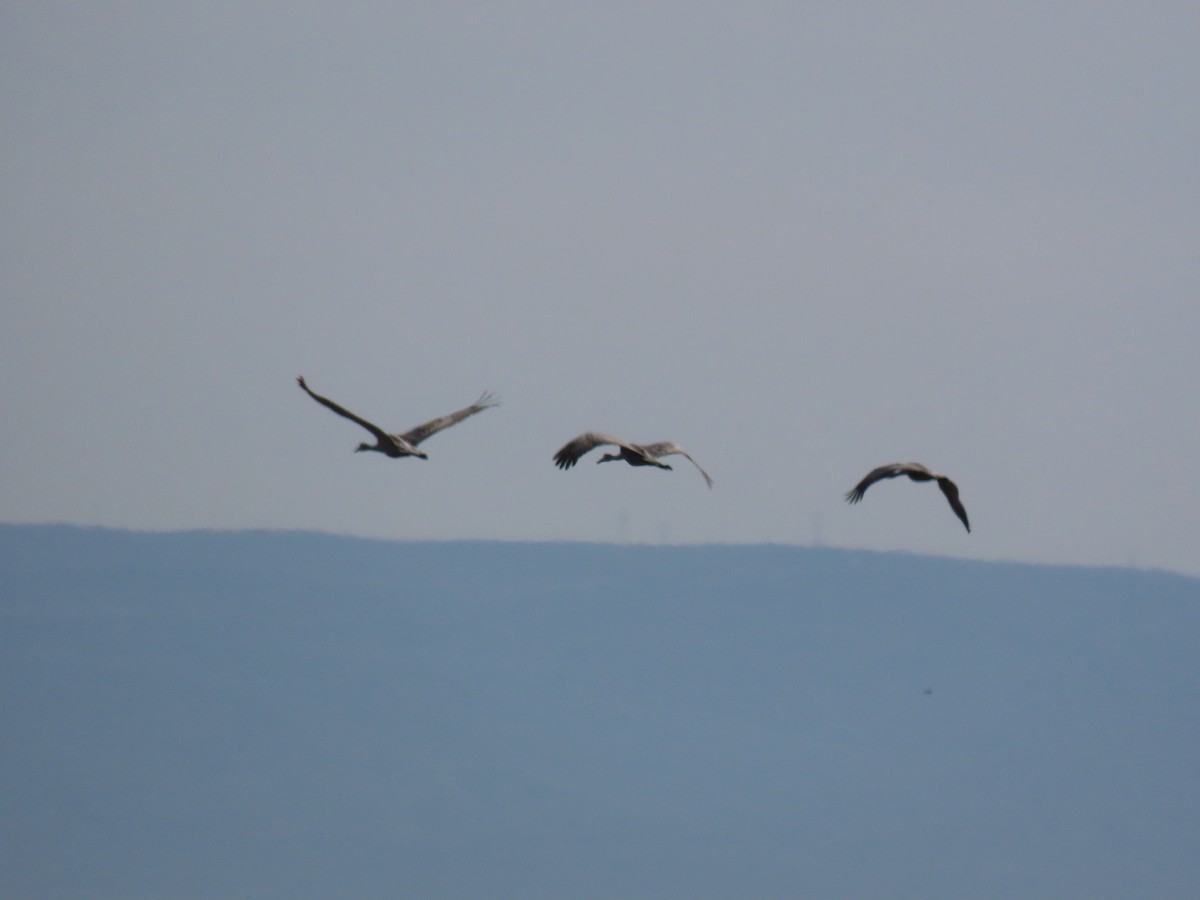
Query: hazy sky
point(801, 240)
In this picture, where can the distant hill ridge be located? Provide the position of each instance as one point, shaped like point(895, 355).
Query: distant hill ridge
point(294, 714)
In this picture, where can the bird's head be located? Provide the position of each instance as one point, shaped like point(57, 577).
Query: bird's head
point(607, 457)
point(361, 447)
point(421, 454)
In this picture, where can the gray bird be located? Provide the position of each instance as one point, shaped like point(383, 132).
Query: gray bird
point(398, 445)
point(916, 472)
point(634, 454)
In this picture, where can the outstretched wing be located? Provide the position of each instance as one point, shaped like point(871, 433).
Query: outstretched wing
point(345, 413)
point(889, 471)
point(950, 489)
point(570, 452)
point(421, 432)
point(667, 448)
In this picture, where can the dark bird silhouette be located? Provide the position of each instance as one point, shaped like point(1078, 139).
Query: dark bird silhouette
point(634, 454)
point(398, 445)
point(916, 472)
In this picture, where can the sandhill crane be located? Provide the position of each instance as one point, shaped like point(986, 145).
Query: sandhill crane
point(916, 472)
point(634, 454)
point(398, 445)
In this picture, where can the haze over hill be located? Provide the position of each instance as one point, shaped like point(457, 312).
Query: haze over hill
point(259, 714)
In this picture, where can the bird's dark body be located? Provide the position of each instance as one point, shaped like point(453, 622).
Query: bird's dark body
point(634, 458)
point(387, 450)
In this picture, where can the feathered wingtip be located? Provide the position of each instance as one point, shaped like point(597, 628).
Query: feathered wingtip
point(487, 400)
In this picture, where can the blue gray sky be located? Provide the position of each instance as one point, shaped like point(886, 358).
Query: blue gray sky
point(801, 240)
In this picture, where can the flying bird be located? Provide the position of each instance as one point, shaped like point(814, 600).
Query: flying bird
point(398, 445)
point(916, 472)
point(634, 454)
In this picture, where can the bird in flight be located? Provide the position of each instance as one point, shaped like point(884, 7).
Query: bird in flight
point(916, 472)
point(634, 454)
point(398, 445)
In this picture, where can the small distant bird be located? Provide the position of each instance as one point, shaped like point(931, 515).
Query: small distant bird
point(928, 692)
point(634, 454)
point(916, 472)
point(398, 445)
